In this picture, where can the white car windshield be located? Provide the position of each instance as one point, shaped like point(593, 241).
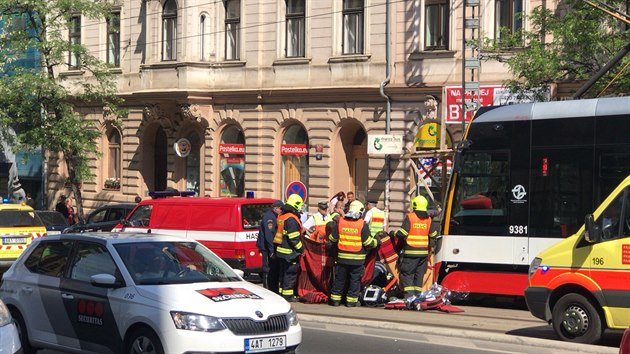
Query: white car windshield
point(151, 263)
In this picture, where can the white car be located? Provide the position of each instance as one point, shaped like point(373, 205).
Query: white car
point(9, 337)
point(140, 293)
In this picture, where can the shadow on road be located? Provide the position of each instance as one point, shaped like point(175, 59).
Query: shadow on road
point(494, 301)
point(611, 338)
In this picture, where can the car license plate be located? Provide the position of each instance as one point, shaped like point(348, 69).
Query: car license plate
point(53, 232)
point(253, 345)
point(14, 241)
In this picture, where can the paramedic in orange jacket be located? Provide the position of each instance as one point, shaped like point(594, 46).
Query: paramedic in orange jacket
point(352, 236)
point(289, 245)
point(415, 232)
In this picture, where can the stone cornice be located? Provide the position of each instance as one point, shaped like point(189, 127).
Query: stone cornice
point(277, 96)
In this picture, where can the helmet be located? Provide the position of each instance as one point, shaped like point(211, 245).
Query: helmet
point(295, 201)
point(322, 205)
point(356, 207)
point(419, 203)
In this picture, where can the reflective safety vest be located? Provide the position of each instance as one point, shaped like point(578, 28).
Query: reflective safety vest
point(418, 237)
point(319, 234)
point(290, 246)
point(350, 235)
point(277, 239)
point(377, 221)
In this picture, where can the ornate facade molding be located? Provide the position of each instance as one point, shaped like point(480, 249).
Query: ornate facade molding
point(431, 107)
point(194, 113)
point(152, 111)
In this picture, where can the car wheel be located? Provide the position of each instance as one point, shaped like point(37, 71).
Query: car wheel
point(27, 348)
point(575, 319)
point(144, 341)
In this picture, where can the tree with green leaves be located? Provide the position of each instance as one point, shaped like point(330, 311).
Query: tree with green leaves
point(570, 44)
point(39, 105)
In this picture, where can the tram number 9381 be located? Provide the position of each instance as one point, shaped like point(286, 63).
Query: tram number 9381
point(517, 229)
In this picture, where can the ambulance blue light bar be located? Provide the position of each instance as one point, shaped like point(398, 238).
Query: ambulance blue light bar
point(171, 193)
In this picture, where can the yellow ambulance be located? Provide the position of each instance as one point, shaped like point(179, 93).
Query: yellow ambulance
point(19, 225)
point(581, 285)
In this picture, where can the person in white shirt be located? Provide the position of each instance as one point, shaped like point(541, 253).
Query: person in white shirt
point(374, 217)
point(315, 226)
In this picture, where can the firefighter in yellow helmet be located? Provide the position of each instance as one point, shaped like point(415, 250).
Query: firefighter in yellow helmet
point(415, 232)
point(352, 236)
point(289, 246)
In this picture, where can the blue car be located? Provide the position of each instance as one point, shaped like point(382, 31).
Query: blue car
point(54, 221)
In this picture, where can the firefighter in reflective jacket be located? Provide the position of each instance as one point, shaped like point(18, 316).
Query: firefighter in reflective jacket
point(289, 246)
point(352, 236)
point(415, 232)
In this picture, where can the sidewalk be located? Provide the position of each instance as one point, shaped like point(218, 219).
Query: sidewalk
point(490, 324)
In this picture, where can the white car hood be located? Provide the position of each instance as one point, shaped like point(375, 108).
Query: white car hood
point(232, 299)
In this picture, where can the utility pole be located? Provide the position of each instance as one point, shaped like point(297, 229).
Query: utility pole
point(471, 63)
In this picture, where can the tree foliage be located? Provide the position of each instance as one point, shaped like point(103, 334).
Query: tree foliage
point(38, 103)
point(569, 44)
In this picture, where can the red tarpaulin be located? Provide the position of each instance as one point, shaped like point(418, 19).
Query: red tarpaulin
point(316, 271)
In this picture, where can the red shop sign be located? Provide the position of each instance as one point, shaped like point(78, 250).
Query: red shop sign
point(453, 102)
point(293, 149)
point(237, 149)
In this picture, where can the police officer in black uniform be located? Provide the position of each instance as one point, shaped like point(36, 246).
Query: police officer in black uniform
point(270, 266)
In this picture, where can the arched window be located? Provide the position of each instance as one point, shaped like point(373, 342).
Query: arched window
point(114, 160)
point(232, 162)
point(160, 163)
point(294, 151)
point(203, 38)
point(193, 163)
point(169, 30)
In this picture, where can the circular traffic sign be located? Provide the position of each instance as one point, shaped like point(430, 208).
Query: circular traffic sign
point(296, 187)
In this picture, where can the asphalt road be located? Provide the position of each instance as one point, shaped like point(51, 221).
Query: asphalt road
point(318, 338)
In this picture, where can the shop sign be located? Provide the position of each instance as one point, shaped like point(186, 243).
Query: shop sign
point(490, 95)
point(428, 136)
point(294, 149)
point(236, 149)
point(385, 144)
point(182, 147)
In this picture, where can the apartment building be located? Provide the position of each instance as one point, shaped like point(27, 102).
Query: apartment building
point(231, 96)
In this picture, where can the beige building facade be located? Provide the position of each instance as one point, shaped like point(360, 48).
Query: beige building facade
point(226, 97)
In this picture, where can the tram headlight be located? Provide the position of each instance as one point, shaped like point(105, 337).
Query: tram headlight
point(532, 267)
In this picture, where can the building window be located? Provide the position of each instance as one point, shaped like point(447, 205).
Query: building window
point(169, 30)
point(74, 36)
point(113, 39)
point(114, 160)
point(203, 38)
point(193, 163)
point(436, 20)
point(232, 29)
point(352, 27)
point(296, 16)
point(508, 16)
point(294, 152)
point(232, 162)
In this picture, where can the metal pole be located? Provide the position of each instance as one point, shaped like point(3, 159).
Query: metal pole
point(388, 107)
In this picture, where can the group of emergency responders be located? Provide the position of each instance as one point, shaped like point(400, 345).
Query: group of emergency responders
point(351, 235)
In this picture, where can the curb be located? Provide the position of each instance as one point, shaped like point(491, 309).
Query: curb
point(468, 334)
